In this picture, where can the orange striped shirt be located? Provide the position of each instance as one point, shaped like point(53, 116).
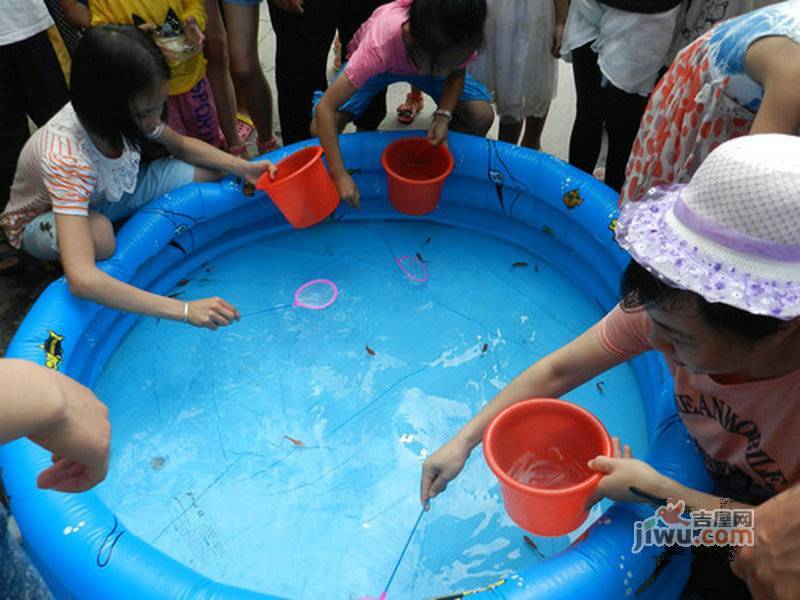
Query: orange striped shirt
point(60, 169)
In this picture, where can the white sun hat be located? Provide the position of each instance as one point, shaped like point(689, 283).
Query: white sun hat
point(732, 234)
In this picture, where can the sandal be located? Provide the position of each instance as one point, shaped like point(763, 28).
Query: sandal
point(244, 127)
point(408, 110)
point(268, 146)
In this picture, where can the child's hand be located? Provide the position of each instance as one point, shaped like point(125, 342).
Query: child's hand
point(252, 171)
point(348, 190)
point(622, 472)
point(194, 35)
point(437, 134)
point(558, 36)
point(212, 313)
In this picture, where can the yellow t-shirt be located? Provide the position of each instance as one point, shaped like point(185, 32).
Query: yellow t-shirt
point(185, 72)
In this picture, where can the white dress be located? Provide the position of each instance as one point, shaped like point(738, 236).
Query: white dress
point(515, 62)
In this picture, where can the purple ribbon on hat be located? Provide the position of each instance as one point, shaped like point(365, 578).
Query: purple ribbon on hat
point(733, 239)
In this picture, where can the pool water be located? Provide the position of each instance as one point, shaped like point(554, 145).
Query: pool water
point(283, 453)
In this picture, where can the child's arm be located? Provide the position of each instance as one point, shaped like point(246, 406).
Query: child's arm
point(451, 93)
point(87, 281)
point(562, 7)
point(632, 480)
point(551, 377)
point(200, 154)
point(77, 14)
point(60, 415)
point(327, 126)
point(774, 62)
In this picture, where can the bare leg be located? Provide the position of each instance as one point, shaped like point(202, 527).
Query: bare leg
point(102, 235)
point(533, 132)
point(219, 74)
point(242, 25)
point(475, 117)
point(510, 130)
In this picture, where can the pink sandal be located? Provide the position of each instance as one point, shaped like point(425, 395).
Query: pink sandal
point(408, 110)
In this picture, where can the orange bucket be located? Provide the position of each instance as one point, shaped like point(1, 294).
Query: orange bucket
point(538, 450)
point(302, 189)
point(416, 172)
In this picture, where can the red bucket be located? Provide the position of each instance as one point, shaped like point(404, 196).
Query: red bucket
point(538, 450)
point(416, 172)
point(302, 189)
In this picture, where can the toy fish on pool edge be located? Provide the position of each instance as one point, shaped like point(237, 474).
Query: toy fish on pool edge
point(53, 351)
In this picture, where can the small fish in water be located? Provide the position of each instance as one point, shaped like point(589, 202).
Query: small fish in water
point(599, 385)
point(533, 545)
point(547, 230)
point(248, 189)
point(183, 282)
point(369, 350)
point(174, 294)
point(536, 268)
point(485, 348)
point(518, 264)
point(158, 463)
point(427, 241)
point(419, 257)
point(297, 443)
point(206, 267)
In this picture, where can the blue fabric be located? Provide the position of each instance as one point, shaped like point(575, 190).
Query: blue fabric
point(731, 40)
point(433, 86)
point(40, 238)
point(19, 579)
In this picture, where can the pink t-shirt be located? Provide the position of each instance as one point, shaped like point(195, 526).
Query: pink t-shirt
point(746, 432)
point(378, 47)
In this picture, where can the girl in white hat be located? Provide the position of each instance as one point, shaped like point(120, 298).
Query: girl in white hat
point(714, 285)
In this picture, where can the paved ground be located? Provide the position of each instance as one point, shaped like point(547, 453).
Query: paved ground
point(17, 292)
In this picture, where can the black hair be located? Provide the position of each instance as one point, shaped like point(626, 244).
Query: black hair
point(113, 63)
point(437, 25)
point(641, 289)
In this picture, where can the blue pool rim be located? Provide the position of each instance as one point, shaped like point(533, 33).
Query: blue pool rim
point(518, 195)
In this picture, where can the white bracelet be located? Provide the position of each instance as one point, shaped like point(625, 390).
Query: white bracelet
point(440, 112)
point(185, 312)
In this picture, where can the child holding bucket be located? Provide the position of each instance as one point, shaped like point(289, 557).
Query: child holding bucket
point(83, 170)
point(424, 42)
point(714, 285)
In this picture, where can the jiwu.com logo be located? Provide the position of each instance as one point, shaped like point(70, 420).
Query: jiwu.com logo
point(668, 527)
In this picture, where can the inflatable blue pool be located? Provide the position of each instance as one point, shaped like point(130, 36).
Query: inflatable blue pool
point(280, 457)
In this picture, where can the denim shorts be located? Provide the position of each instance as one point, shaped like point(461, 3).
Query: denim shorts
point(358, 103)
point(40, 238)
